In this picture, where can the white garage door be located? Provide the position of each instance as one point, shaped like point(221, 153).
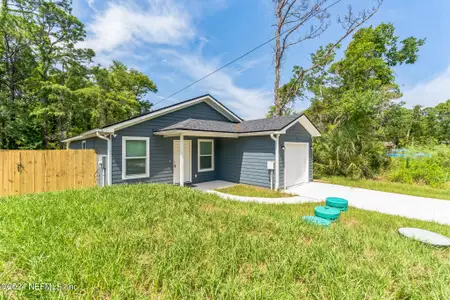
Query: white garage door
point(296, 166)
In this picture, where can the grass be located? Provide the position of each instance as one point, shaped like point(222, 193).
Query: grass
point(252, 191)
point(161, 241)
point(392, 187)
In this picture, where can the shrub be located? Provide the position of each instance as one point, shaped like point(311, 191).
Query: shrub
point(347, 152)
point(433, 170)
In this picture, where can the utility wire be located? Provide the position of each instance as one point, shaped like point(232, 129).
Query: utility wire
point(238, 58)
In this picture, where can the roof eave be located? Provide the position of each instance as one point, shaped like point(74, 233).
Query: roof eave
point(88, 134)
point(206, 98)
point(177, 132)
point(306, 123)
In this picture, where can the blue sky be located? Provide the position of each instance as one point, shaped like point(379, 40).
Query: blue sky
point(176, 42)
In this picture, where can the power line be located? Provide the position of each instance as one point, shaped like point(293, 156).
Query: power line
point(236, 59)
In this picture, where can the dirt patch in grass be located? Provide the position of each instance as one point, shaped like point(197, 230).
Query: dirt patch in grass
point(349, 221)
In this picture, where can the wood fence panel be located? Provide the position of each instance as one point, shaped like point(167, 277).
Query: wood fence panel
point(35, 171)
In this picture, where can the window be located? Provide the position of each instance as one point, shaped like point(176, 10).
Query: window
point(83, 145)
point(135, 157)
point(205, 155)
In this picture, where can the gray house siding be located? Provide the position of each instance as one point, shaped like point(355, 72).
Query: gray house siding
point(100, 146)
point(295, 134)
point(241, 160)
point(244, 160)
point(161, 148)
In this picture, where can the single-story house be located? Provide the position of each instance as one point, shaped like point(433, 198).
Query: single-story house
point(217, 145)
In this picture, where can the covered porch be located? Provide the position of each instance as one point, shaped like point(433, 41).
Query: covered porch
point(212, 185)
point(272, 153)
point(209, 160)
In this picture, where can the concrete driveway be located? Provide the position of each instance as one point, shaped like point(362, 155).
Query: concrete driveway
point(426, 209)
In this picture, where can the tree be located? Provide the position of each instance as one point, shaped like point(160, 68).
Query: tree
point(113, 94)
point(352, 98)
point(48, 87)
point(16, 63)
point(294, 15)
point(366, 67)
point(442, 119)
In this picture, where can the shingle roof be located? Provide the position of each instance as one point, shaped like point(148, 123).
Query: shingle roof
point(272, 124)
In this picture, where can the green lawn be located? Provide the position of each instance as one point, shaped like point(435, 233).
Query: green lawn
point(252, 191)
point(162, 241)
point(392, 187)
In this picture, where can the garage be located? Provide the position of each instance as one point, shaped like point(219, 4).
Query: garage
point(296, 157)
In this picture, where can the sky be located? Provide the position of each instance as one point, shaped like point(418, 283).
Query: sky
point(176, 42)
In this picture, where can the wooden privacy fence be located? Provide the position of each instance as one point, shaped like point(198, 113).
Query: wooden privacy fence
point(35, 171)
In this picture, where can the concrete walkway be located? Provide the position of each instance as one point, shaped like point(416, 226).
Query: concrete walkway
point(427, 209)
point(217, 184)
point(285, 200)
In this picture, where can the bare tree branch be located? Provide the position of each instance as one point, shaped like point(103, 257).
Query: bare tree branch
point(296, 13)
point(350, 23)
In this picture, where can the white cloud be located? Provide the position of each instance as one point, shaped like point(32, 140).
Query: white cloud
point(124, 31)
point(429, 93)
point(124, 23)
point(247, 102)
point(250, 64)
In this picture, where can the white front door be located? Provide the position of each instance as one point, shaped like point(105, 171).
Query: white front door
point(296, 163)
point(187, 161)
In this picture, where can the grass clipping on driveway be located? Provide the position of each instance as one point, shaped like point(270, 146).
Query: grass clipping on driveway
point(148, 241)
point(252, 191)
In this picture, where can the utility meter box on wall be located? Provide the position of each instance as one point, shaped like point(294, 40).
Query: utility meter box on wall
point(270, 165)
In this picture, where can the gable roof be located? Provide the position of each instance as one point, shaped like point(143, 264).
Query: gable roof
point(275, 125)
point(235, 127)
point(111, 128)
point(208, 99)
point(260, 125)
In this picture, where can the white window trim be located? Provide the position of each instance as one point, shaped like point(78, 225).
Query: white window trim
point(83, 145)
point(147, 157)
point(198, 155)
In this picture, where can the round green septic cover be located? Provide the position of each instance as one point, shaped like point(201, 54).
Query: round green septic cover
point(326, 212)
point(316, 220)
point(340, 208)
point(336, 202)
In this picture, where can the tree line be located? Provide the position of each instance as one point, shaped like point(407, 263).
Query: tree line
point(49, 87)
point(356, 103)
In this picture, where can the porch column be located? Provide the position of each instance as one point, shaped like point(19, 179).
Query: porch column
point(181, 160)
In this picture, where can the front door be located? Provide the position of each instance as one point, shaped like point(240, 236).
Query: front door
point(296, 163)
point(187, 161)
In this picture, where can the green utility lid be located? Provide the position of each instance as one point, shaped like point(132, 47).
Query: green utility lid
point(326, 212)
point(340, 208)
point(316, 221)
point(336, 202)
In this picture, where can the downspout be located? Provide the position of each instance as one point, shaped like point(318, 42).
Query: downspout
point(276, 138)
point(109, 155)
